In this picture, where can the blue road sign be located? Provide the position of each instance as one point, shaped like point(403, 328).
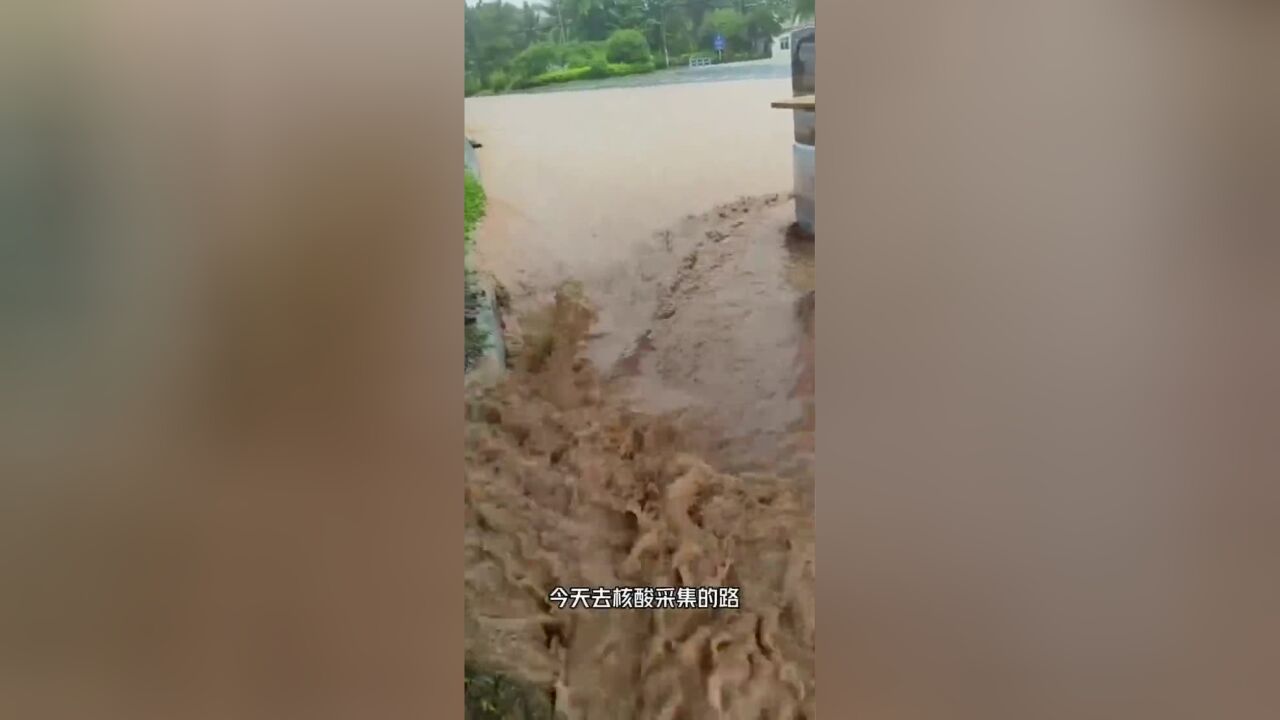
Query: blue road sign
point(719, 43)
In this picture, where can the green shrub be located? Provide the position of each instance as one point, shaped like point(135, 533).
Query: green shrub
point(624, 69)
point(729, 23)
point(599, 69)
point(490, 696)
point(556, 77)
point(535, 60)
point(475, 203)
point(628, 46)
point(499, 80)
point(595, 71)
point(581, 55)
point(475, 339)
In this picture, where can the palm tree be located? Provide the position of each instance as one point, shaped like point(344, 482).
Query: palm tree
point(627, 14)
point(530, 24)
point(556, 8)
point(582, 13)
point(580, 9)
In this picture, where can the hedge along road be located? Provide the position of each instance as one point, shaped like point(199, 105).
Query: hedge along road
point(748, 70)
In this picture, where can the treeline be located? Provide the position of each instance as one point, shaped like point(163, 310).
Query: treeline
point(514, 46)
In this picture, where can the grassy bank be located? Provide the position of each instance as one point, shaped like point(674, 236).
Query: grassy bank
point(475, 339)
point(624, 53)
point(565, 76)
point(490, 696)
point(476, 202)
point(593, 72)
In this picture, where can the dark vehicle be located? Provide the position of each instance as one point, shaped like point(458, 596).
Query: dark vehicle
point(804, 83)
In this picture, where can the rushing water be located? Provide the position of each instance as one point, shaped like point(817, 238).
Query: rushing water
point(668, 206)
point(625, 190)
point(576, 179)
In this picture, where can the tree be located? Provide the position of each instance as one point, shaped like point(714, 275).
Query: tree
point(729, 23)
point(530, 25)
point(500, 36)
point(589, 18)
point(762, 27)
point(697, 10)
point(535, 60)
point(657, 14)
point(628, 46)
point(469, 40)
point(627, 14)
point(804, 9)
point(495, 34)
point(556, 9)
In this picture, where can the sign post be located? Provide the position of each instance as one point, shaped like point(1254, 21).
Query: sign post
point(720, 46)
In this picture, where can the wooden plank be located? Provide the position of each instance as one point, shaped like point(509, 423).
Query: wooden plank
point(803, 102)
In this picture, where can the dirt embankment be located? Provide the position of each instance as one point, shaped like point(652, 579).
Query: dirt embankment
point(567, 487)
point(727, 333)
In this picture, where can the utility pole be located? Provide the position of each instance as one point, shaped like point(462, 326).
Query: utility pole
point(662, 32)
point(560, 18)
point(661, 6)
point(666, 56)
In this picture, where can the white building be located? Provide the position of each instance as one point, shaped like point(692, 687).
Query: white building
point(782, 44)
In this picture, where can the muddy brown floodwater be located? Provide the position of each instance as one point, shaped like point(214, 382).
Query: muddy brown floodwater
point(657, 428)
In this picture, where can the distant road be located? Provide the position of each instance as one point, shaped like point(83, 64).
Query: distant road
point(749, 70)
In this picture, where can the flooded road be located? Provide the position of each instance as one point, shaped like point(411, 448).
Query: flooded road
point(645, 230)
point(576, 180)
point(567, 487)
point(625, 191)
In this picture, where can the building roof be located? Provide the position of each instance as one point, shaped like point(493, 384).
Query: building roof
point(792, 28)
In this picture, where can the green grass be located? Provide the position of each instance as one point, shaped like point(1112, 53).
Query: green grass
point(475, 340)
point(476, 205)
point(599, 69)
point(583, 54)
point(590, 72)
point(491, 696)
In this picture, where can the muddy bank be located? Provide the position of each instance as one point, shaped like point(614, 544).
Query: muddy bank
point(720, 331)
point(712, 318)
point(567, 486)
